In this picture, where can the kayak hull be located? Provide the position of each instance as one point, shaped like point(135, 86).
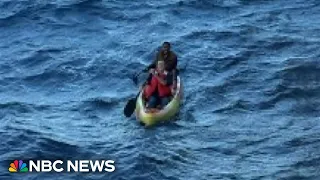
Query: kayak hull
point(168, 112)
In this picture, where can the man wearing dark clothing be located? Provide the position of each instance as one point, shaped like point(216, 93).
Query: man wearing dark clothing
point(170, 59)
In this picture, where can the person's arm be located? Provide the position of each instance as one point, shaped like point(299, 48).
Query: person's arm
point(169, 79)
point(175, 62)
point(174, 78)
point(172, 63)
point(162, 81)
point(153, 64)
point(174, 71)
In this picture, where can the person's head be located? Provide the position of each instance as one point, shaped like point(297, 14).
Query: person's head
point(166, 47)
point(160, 66)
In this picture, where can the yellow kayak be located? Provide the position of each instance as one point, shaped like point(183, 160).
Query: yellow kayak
point(154, 117)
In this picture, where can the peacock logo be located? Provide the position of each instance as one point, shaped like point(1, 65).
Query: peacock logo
point(18, 166)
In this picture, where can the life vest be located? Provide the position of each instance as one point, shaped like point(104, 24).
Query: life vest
point(155, 85)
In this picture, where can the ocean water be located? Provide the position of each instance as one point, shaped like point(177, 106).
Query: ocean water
point(250, 71)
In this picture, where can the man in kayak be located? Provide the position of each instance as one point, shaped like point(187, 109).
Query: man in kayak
point(159, 88)
point(170, 59)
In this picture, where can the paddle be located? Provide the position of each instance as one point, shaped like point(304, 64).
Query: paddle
point(131, 106)
point(135, 77)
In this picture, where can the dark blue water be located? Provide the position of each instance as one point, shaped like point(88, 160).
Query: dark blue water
point(250, 70)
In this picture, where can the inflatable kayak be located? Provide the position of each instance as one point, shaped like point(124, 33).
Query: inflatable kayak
point(168, 112)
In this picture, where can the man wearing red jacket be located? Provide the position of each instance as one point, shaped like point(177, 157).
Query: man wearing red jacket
point(159, 87)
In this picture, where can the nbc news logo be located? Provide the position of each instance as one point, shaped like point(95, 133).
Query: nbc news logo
point(18, 166)
point(58, 166)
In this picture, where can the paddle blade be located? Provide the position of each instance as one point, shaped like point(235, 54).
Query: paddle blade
point(135, 79)
point(130, 107)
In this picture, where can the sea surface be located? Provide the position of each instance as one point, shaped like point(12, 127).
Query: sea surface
point(250, 72)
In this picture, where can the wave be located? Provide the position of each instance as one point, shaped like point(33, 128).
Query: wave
point(51, 148)
point(43, 12)
point(277, 43)
point(303, 100)
point(19, 11)
point(310, 163)
point(309, 139)
point(40, 57)
point(208, 34)
point(32, 144)
point(300, 71)
point(282, 92)
point(153, 166)
point(217, 149)
point(84, 3)
point(207, 4)
point(100, 102)
point(51, 78)
point(236, 106)
point(43, 68)
point(297, 83)
point(21, 107)
point(16, 8)
point(91, 106)
point(110, 10)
